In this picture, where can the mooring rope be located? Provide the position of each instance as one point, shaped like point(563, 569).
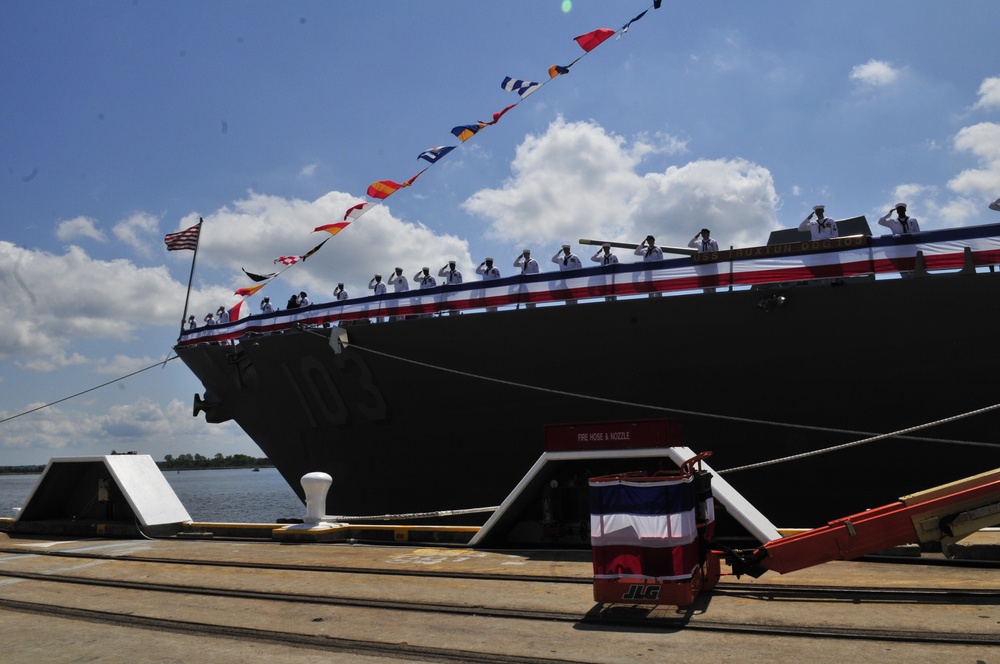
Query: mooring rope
point(871, 437)
point(411, 515)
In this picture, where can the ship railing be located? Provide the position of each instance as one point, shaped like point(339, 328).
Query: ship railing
point(792, 262)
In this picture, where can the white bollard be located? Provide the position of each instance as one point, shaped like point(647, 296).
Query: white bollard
point(315, 486)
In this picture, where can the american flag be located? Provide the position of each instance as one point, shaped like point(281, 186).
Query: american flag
point(185, 239)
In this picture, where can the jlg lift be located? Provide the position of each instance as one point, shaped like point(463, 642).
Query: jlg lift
point(655, 549)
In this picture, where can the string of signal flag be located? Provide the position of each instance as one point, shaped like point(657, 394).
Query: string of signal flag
point(383, 189)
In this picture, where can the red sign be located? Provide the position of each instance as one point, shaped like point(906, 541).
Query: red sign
point(637, 434)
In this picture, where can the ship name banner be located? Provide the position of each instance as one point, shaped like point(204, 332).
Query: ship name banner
point(787, 249)
point(849, 257)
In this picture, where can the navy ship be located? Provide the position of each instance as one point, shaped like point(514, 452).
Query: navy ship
point(441, 400)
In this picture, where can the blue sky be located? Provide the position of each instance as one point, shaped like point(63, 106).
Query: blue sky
point(123, 121)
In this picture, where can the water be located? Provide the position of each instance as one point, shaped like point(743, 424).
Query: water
point(240, 496)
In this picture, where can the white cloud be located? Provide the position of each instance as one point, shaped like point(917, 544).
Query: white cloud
point(875, 73)
point(137, 230)
point(989, 95)
point(578, 180)
point(142, 425)
point(308, 171)
point(121, 365)
point(50, 301)
point(982, 141)
point(78, 227)
point(252, 232)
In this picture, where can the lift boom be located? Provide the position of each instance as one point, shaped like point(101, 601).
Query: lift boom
point(945, 514)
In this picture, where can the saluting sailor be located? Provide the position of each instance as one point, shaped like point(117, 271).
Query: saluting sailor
point(902, 224)
point(488, 270)
point(703, 242)
point(566, 259)
point(604, 255)
point(820, 228)
point(376, 285)
point(398, 281)
point(265, 306)
point(648, 250)
point(450, 273)
point(425, 278)
point(526, 263)
point(339, 293)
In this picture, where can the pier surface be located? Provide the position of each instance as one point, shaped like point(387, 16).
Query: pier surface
point(177, 600)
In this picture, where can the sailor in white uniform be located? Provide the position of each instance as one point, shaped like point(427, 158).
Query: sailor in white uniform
point(221, 316)
point(191, 322)
point(265, 306)
point(703, 242)
point(339, 293)
point(604, 255)
point(566, 259)
point(376, 285)
point(526, 263)
point(902, 224)
point(648, 250)
point(425, 278)
point(487, 270)
point(450, 273)
point(304, 300)
point(398, 281)
point(820, 228)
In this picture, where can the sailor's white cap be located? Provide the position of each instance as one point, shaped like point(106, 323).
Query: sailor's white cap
point(378, 276)
point(489, 259)
point(819, 207)
point(565, 246)
point(339, 283)
point(526, 251)
point(900, 205)
point(606, 245)
point(425, 268)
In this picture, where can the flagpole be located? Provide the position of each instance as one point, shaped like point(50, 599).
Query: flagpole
point(194, 258)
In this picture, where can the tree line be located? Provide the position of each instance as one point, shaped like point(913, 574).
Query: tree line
point(171, 462)
point(188, 461)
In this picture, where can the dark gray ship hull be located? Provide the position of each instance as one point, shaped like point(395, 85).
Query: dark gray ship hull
point(449, 412)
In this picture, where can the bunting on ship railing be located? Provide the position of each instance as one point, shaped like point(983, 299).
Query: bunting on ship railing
point(382, 189)
point(853, 256)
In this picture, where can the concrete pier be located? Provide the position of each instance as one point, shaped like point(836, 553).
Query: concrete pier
point(171, 600)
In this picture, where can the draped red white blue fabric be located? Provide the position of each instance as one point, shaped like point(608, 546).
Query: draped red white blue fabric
point(643, 528)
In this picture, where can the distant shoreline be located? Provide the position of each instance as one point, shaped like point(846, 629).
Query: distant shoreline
point(171, 462)
point(37, 470)
point(21, 470)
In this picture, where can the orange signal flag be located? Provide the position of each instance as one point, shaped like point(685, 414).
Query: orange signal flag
point(333, 229)
point(247, 292)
